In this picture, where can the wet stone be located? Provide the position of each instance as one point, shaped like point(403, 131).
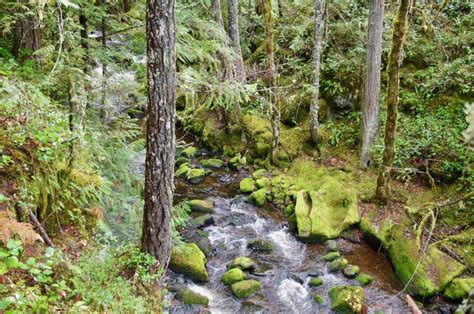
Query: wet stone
point(260, 245)
point(189, 297)
point(202, 221)
point(351, 271)
point(331, 256)
point(331, 245)
point(364, 279)
point(337, 265)
point(243, 263)
point(315, 282)
point(296, 278)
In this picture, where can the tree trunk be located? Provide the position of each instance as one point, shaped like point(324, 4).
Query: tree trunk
point(400, 26)
point(234, 34)
point(272, 79)
point(126, 5)
point(159, 165)
point(103, 109)
point(216, 13)
point(27, 33)
point(370, 123)
point(319, 8)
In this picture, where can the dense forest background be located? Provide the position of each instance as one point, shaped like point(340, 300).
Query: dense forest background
point(73, 96)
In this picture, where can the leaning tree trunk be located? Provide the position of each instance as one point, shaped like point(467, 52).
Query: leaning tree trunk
point(159, 165)
point(319, 8)
point(400, 26)
point(27, 32)
point(370, 122)
point(234, 34)
point(216, 13)
point(272, 80)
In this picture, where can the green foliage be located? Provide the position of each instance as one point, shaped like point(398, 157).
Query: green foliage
point(180, 218)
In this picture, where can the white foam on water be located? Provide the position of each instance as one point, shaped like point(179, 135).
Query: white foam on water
point(294, 296)
point(290, 247)
point(217, 302)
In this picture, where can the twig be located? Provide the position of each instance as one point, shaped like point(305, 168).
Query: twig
point(414, 308)
point(40, 228)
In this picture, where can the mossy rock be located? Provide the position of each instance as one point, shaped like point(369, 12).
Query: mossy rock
point(260, 245)
point(247, 185)
point(434, 270)
point(235, 162)
point(204, 206)
point(196, 175)
point(245, 288)
point(331, 256)
point(190, 151)
point(376, 235)
point(338, 265)
point(212, 163)
point(263, 183)
point(259, 134)
point(459, 288)
point(189, 297)
point(205, 246)
point(317, 298)
point(351, 271)
point(325, 213)
point(182, 171)
point(315, 282)
point(232, 276)
point(243, 263)
point(347, 299)
point(181, 160)
point(259, 197)
point(331, 245)
point(189, 260)
point(258, 174)
point(202, 221)
point(364, 279)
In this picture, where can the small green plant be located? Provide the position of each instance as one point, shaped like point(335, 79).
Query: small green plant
point(143, 266)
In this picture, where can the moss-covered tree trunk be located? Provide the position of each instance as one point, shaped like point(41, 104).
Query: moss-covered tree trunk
point(370, 124)
point(272, 78)
point(319, 8)
point(159, 164)
point(400, 26)
point(27, 30)
point(216, 13)
point(234, 35)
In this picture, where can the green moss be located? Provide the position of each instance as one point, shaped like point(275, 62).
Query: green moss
point(232, 276)
point(245, 288)
point(317, 298)
point(247, 185)
point(196, 175)
point(202, 221)
point(205, 206)
point(259, 197)
point(351, 271)
point(459, 288)
point(260, 245)
point(190, 151)
point(258, 174)
point(337, 265)
point(189, 260)
point(295, 141)
point(183, 171)
point(347, 299)
point(263, 183)
point(243, 263)
point(258, 133)
point(212, 163)
point(181, 160)
point(331, 256)
point(315, 282)
point(331, 245)
point(189, 297)
point(364, 279)
point(374, 234)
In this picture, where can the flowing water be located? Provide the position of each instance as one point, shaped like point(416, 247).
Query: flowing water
point(283, 272)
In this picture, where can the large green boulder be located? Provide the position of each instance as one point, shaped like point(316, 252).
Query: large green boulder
point(247, 185)
point(190, 151)
point(202, 221)
point(232, 276)
point(196, 175)
point(426, 273)
point(376, 234)
point(182, 171)
point(323, 214)
point(189, 260)
point(258, 174)
point(189, 297)
point(212, 163)
point(259, 197)
point(459, 288)
point(245, 288)
point(205, 206)
point(347, 299)
point(243, 263)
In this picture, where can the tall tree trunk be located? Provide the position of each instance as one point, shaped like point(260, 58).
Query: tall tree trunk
point(319, 8)
point(103, 109)
point(272, 80)
point(159, 165)
point(126, 6)
point(400, 26)
point(216, 13)
point(27, 32)
point(234, 34)
point(370, 124)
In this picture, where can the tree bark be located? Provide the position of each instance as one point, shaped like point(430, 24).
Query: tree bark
point(319, 8)
point(27, 32)
point(159, 165)
point(370, 124)
point(216, 13)
point(272, 79)
point(234, 34)
point(103, 109)
point(400, 26)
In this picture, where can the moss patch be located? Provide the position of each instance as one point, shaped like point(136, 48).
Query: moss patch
point(347, 299)
point(247, 185)
point(259, 197)
point(189, 260)
point(245, 288)
point(459, 288)
point(243, 263)
point(189, 297)
point(232, 276)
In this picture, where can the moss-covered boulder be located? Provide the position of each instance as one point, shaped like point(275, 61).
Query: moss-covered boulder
point(347, 299)
point(258, 133)
point(243, 263)
point(182, 171)
point(245, 288)
point(263, 182)
point(232, 276)
point(338, 265)
point(189, 297)
point(189, 260)
point(247, 185)
point(204, 206)
point(260, 245)
point(259, 174)
point(259, 197)
point(202, 221)
point(376, 233)
point(190, 151)
point(364, 279)
point(331, 256)
point(212, 163)
point(315, 282)
point(459, 288)
point(331, 245)
point(325, 213)
point(425, 273)
point(351, 271)
point(196, 175)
